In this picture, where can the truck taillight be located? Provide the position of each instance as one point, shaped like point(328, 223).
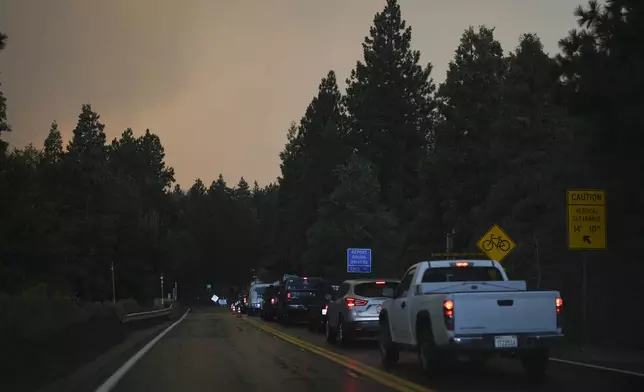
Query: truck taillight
point(272, 301)
point(559, 308)
point(351, 302)
point(448, 314)
point(288, 295)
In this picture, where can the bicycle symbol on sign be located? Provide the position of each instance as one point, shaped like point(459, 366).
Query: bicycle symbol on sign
point(496, 242)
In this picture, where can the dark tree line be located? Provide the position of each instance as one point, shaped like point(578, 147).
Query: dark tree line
point(394, 163)
point(398, 161)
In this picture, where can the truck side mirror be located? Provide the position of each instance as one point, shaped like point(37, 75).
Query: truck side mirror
point(388, 292)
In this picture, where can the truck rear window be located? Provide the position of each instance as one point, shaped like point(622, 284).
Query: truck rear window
point(461, 274)
point(372, 289)
point(260, 290)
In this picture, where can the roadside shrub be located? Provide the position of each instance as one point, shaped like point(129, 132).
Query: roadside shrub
point(51, 334)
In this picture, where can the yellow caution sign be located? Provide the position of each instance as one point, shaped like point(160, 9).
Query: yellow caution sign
point(496, 244)
point(586, 219)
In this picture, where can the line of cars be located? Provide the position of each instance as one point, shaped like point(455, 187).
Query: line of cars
point(444, 311)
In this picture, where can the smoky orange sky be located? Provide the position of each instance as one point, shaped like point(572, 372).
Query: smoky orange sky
point(218, 81)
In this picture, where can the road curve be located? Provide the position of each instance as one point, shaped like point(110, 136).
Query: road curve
point(214, 351)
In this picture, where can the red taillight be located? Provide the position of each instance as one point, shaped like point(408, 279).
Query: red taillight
point(559, 308)
point(448, 314)
point(380, 282)
point(462, 264)
point(272, 301)
point(326, 307)
point(245, 300)
point(351, 302)
point(288, 295)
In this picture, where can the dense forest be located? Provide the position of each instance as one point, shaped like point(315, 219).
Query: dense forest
point(393, 163)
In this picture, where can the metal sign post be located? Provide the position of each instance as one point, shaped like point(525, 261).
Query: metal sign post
point(162, 300)
point(587, 228)
point(113, 285)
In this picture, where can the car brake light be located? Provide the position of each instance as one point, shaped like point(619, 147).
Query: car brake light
point(305, 278)
point(288, 295)
point(351, 302)
point(272, 301)
point(462, 264)
point(448, 314)
point(559, 308)
point(380, 282)
point(245, 300)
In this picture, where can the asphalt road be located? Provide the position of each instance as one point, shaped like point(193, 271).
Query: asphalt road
point(214, 351)
point(498, 375)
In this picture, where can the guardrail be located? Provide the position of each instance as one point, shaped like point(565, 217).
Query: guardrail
point(148, 315)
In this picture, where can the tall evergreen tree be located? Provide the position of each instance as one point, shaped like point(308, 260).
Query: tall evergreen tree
point(242, 190)
point(53, 151)
point(471, 99)
point(353, 216)
point(389, 102)
point(4, 126)
point(315, 148)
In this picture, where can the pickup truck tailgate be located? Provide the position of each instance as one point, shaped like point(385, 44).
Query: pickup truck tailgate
point(505, 312)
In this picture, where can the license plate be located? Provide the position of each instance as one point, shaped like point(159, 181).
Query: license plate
point(379, 308)
point(506, 342)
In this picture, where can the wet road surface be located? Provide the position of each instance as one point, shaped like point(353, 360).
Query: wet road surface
point(211, 350)
point(498, 375)
point(214, 351)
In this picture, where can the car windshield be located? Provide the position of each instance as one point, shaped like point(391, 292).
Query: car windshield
point(372, 289)
point(461, 274)
point(302, 284)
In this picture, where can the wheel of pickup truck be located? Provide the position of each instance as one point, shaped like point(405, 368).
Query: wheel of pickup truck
point(389, 352)
point(429, 357)
point(535, 364)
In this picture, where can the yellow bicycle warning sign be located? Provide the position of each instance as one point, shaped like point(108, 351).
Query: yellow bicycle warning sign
point(496, 244)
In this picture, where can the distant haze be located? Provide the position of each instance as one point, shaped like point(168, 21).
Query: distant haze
point(218, 81)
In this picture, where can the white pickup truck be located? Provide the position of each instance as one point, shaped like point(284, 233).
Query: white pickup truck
point(445, 310)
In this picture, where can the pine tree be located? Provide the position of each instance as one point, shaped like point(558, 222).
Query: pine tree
point(4, 126)
point(465, 152)
point(53, 148)
point(197, 189)
point(389, 102)
point(353, 216)
point(242, 190)
point(315, 148)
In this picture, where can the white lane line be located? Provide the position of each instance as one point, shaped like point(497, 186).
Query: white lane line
point(588, 365)
point(111, 382)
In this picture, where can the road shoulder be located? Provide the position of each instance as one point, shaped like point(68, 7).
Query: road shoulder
point(91, 375)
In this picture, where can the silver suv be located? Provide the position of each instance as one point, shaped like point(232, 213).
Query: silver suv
point(354, 310)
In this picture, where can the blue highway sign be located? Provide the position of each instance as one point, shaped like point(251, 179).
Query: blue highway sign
point(359, 261)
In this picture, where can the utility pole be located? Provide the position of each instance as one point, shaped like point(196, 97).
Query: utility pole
point(113, 284)
point(162, 302)
point(449, 242)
